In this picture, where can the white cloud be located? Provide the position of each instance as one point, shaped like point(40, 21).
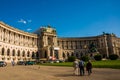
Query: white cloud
point(22, 21)
point(29, 29)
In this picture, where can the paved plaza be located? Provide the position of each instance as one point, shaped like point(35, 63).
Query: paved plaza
point(54, 73)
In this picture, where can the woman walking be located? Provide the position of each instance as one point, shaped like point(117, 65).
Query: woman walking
point(76, 66)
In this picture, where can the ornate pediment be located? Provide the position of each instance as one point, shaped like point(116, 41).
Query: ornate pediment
point(48, 29)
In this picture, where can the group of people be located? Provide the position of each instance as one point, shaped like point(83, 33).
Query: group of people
point(79, 67)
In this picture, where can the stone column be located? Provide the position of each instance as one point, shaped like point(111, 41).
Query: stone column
point(2, 34)
point(106, 46)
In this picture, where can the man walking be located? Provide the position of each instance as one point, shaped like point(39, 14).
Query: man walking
point(81, 67)
point(89, 67)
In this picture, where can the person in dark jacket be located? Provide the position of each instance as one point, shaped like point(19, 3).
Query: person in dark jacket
point(81, 67)
point(89, 67)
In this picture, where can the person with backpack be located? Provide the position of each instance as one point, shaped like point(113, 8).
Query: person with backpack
point(81, 67)
point(76, 66)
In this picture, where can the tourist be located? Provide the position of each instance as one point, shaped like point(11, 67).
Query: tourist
point(76, 66)
point(13, 62)
point(81, 67)
point(89, 67)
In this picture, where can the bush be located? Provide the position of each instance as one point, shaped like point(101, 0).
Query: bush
point(113, 56)
point(85, 58)
point(98, 57)
point(71, 58)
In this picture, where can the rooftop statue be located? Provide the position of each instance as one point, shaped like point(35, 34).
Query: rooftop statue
point(48, 29)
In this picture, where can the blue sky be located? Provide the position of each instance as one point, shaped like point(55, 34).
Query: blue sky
point(71, 18)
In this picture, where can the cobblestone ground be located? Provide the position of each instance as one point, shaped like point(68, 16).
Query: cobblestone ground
point(54, 73)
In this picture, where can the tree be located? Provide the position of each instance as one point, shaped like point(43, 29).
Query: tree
point(85, 58)
point(92, 48)
point(113, 56)
point(71, 58)
point(98, 57)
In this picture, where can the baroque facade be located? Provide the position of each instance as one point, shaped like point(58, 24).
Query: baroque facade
point(16, 44)
point(44, 43)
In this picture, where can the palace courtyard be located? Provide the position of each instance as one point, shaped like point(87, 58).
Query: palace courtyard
point(54, 73)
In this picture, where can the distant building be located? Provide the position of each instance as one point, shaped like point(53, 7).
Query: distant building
point(44, 43)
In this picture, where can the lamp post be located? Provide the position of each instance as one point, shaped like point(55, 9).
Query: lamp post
point(85, 47)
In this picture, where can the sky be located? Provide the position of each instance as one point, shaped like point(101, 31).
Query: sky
point(70, 18)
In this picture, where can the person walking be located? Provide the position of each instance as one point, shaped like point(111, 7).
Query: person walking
point(76, 66)
point(89, 67)
point(81, 67)
point(13, 63)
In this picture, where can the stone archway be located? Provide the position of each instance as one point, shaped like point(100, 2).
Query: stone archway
point(18, 53)
point(45, 54)
point(56, 54)
point(68, 54)
point(72, 54)
point(63, 55)
point(8, 52)
point(33, 55)
point(77, 55)
point(3, 51)
point(23, 53)
point(28, 53)
point(13, 52)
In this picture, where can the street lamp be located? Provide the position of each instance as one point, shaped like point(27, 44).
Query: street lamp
point(85, 47)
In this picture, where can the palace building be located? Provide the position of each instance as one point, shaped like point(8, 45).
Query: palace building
point(19, 45)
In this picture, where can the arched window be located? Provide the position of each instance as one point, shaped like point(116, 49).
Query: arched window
point(3, 50)
point(63, 55)
point(51, 51)
point(56, 54)
point(81, 54)
point(18, 53)
point(13, 52)
point(68, 54)
point(77, 55)
point(8, 52)
point(72, 54)
point(45, 54)
point(23, 53)
point(28, 54)
point(49, 40)
point(33, 55)
point(37, 55)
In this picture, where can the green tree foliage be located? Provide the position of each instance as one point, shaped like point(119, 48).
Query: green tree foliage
point(113, 56)
point(98, 57)
point(71, 58)
point(92, 48)
point(85, 58)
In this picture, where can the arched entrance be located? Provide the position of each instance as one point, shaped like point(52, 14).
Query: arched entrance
point(13, 52)
point(3, 51)
point(18, 53)
point(8, 52)
point(33, 55)
point(56, 54)
point(45, 56)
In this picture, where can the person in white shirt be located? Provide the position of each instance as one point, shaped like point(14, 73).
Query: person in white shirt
point(76, 67)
